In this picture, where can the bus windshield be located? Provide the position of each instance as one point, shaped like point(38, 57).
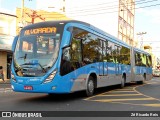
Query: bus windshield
point(36, 51)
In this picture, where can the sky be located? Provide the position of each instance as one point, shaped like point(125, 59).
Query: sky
point(147, 18)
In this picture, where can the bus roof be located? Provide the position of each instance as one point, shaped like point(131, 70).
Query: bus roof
point(55, 22)
point(141, 51)
point(99, 31)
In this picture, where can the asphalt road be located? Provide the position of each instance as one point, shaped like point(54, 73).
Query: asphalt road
point(133, 97)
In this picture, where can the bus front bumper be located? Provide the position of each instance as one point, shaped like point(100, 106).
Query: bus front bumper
point(41, 88)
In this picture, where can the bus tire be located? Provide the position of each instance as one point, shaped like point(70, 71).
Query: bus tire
point(51, 94)
point(90, 86)
point(140, 82)
point(122, 85)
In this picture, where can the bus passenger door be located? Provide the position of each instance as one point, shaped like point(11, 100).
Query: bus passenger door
point(103, 67)
point(105, 64)
point(117, 60)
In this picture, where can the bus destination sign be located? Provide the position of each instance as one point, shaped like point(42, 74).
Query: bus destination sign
point(45, 30)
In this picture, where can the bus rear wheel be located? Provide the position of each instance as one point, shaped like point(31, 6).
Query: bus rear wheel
point(90, 86)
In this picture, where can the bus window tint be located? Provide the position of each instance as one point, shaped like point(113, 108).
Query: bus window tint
point(143, 60)
point(85, 48)
point(138, 59)
point(110, 48)
point(91, 49)
point(125, 55)
point(76, 56)
point(149, 61)
point(116, 53)
point(143, 56)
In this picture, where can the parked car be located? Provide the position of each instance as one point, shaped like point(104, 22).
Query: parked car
point(156, 73)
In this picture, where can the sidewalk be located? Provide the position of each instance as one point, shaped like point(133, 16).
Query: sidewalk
point(7, 81)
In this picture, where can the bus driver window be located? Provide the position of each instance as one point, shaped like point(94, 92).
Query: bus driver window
point(66, 66)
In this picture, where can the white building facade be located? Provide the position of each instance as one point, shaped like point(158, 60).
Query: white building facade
point(7, 33)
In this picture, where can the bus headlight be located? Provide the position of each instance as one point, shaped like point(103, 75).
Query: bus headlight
point(50, 77)
point(12, 77)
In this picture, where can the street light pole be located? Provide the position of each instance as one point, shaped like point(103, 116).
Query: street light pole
point(141, 34)
point(22, 11)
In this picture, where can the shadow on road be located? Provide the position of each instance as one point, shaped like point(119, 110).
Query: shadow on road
point(59, 98)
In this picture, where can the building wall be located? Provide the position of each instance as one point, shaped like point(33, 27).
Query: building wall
point(126, 21)
point(7, 32)
point(3, 62)
point(41, 15)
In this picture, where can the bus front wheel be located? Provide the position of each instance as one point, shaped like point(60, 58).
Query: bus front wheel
point(90, 86)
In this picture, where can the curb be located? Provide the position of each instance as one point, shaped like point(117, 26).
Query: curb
point(6, 81)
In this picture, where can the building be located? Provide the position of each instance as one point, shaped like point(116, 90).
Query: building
point(126, 14)
point(7, 33)
point(32, 16)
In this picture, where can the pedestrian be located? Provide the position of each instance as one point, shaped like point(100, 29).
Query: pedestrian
point(1, 73)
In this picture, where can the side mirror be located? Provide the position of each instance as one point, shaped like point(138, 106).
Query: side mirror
point(14, 43)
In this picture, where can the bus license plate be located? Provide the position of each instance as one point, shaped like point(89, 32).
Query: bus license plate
point(28, 87)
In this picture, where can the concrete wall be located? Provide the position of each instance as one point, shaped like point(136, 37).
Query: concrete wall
point(3, 62)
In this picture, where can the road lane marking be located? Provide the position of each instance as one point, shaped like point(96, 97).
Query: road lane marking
point(121, 91)
point(116, 91)
point(132, 99)
point(144, 94)
point(151, 101)
point(152, 105)
point(153, 83)
point(121, 95)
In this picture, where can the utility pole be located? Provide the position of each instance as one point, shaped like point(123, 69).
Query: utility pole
point(141, 35)
point(22, 14)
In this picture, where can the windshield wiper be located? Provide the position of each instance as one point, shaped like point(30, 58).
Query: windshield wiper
point(35, 64)
point(25, 56)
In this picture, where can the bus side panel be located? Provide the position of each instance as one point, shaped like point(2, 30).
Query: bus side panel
point(82, 75)
point(126, 69)
point(133, 69)
point(149, 73)
point(139, 72)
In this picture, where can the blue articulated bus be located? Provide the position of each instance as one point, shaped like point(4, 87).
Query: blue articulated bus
point(68, 56)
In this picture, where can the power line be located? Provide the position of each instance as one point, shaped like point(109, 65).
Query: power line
point(100, 12)
point(106, 8)
point(113, 11)
point(117, 11)
point(110, 7)
point(109, 3)
point(98, 4)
